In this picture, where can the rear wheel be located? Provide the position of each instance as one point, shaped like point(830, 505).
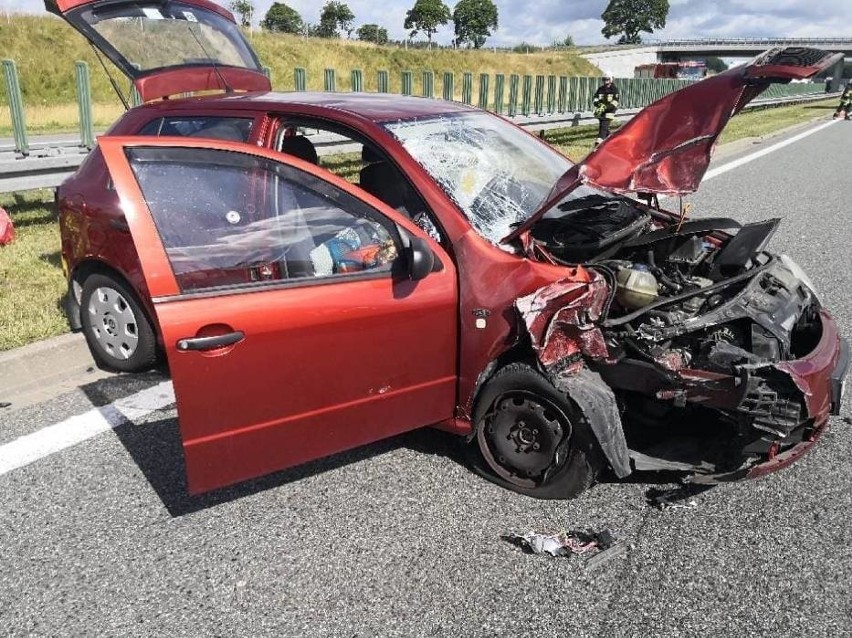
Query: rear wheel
point(117, 330)
point(532, 438)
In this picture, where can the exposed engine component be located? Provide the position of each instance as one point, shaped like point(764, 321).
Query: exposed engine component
point(636, 286)
point(698, 314)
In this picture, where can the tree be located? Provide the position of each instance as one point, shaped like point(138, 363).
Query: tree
point(568, 41)
point(244, 9)
point(715, 65)
point(284, 19)
point(427, 16)
point(629, 17)
point(474, 20)
point(372, 33)
point(335, 15)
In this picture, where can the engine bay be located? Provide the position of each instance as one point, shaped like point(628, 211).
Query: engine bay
point(699, 293)
point(698, 313)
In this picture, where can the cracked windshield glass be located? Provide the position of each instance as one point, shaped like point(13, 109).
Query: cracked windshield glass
point(498, 175)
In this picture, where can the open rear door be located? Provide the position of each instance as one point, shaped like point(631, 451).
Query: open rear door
point(168, 47)
point(291, 323)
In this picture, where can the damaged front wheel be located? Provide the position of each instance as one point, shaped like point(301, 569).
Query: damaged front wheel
point(532, 438)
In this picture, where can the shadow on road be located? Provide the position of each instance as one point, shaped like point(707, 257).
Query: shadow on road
point(156, 449)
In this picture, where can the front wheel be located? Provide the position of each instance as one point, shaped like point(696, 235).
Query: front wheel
point(532, 438)
point(118, 332)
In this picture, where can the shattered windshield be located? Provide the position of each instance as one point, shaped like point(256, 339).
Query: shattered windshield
point(498, 174)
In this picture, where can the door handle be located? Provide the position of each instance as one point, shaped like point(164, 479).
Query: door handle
point(210, 343)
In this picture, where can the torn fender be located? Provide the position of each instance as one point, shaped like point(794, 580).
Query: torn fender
point(561, 321)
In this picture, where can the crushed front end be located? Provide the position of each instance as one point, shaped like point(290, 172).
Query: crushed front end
point(721, 357)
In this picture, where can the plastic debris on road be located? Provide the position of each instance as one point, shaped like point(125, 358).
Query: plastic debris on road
point(676, 498)
point(602, 546)
point(7, 229)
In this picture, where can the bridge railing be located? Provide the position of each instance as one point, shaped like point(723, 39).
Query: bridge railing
point(752, 42)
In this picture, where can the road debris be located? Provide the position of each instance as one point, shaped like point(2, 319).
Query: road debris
point(676, 498)
point(604, 556)
point(240, 593)
point(4, 404)
point(602, 545)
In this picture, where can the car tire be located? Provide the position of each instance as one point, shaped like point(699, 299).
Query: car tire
point(118, 331)
point(532, 438)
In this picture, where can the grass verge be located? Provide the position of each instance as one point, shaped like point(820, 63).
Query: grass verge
point(31, 281)
point(577, 142)
point(45, 49)
point(61, 118)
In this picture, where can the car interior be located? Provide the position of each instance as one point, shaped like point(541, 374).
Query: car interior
point(373, 171)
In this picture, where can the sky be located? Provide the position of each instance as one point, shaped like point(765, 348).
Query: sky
point(546, 21)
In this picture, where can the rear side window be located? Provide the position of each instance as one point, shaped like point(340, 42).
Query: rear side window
point(236, 129)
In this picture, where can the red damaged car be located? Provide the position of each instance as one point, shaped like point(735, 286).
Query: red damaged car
point(465, 275)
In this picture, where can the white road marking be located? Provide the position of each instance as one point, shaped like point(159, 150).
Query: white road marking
point(765, 151)
point(76, 429)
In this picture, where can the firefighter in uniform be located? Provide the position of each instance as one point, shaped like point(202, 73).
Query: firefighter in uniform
point(844, 109)
point(605, 104)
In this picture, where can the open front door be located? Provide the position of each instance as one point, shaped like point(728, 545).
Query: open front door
point(291, 325)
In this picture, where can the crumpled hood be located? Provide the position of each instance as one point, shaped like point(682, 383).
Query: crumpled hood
point(666, 147)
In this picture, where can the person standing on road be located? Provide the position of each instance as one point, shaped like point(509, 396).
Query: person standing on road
point(605, 104)
point(844, 109)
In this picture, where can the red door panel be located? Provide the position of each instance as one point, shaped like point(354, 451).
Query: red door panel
point(320, 370)
point(309, 370)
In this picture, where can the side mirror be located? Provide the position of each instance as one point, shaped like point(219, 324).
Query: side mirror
point(421, 259)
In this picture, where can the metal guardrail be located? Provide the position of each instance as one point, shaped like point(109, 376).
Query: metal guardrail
point(54, 165)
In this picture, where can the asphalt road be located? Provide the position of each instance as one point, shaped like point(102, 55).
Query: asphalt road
point(400, 538)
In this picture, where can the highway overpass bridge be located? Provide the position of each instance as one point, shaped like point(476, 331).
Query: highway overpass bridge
point(621, 60)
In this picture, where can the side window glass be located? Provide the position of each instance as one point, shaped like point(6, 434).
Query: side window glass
point(361, 164)
point(229, 219)
point(236, 129)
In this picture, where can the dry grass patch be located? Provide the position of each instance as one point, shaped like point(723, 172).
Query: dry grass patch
point(61, 118)
point(45, 49)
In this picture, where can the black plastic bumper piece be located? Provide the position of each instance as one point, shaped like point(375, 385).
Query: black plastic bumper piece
point(837, 377)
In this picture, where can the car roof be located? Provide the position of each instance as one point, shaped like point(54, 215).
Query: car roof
point(377, 107)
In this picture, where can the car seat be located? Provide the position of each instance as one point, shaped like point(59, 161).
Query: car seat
point(384, 181)
point(301, 147)
point(368, 155)
point(223, 130)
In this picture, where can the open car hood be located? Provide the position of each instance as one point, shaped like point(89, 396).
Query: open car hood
point(666, 147)
point(168, 47)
